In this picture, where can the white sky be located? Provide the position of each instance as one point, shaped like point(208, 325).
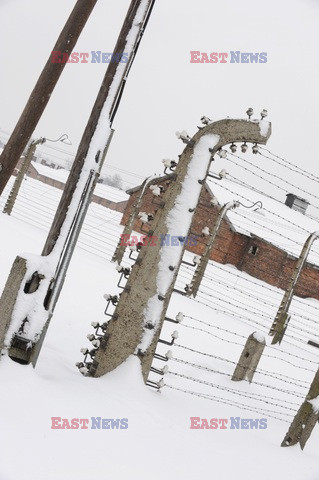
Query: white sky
point(165, 92)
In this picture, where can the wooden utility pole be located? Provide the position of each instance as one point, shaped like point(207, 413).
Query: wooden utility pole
point(42, 91)
point(95, 116)
point(305, 419)
point(141, 310)
point(20, 176)
point(282, 318)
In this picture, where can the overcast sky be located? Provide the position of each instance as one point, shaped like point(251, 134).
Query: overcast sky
point(165, 92)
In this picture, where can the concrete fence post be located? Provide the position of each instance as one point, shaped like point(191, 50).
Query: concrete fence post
point(280, 324)
point(20, 176)
point(128, 229)
point(193, 287)
point(249, 359)
point(9, 296)
point(305, 419)
point(127, 330)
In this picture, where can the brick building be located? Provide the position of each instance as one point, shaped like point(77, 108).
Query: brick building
point(104, 195)
point(248, 250)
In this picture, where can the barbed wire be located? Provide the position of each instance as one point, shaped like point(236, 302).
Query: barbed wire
point(232, 333)
point(242, 215)
point(213, 326)
point(272, 306)
point(257, 268)
point(301, 331)
point(225, 388)
point(272, 289)
point(228, 402)
point(275, 357)
point(203, 292)
point(253, 396)
point(222, 185)
point(303, 172)
point(255, 297)
point(218, 387)
point(257, 167)
point(266, 210)
point(254, 322)
point(260, 371)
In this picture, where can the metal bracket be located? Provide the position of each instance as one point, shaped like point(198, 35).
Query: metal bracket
point(175, 290)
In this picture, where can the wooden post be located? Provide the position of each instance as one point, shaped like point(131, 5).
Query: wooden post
point(249, 358)
point(305, 419)
point(90, 129)
point(42, 91)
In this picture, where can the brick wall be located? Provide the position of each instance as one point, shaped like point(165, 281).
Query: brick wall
point(250, 254)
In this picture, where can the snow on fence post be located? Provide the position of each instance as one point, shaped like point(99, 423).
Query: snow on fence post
point(280, 324)
point(9, 296)
point(139, 315)
point(305, 419)
point(249, 359)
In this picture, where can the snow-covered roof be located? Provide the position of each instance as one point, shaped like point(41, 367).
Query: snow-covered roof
point(275, 222)
point(111, 193)
point(56, 174)
point(101, 190)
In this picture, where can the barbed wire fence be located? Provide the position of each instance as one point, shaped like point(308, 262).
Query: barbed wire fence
point(220, 294)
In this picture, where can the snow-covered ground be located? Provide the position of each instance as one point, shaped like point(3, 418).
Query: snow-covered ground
point(158, 442)
point(37, 203)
